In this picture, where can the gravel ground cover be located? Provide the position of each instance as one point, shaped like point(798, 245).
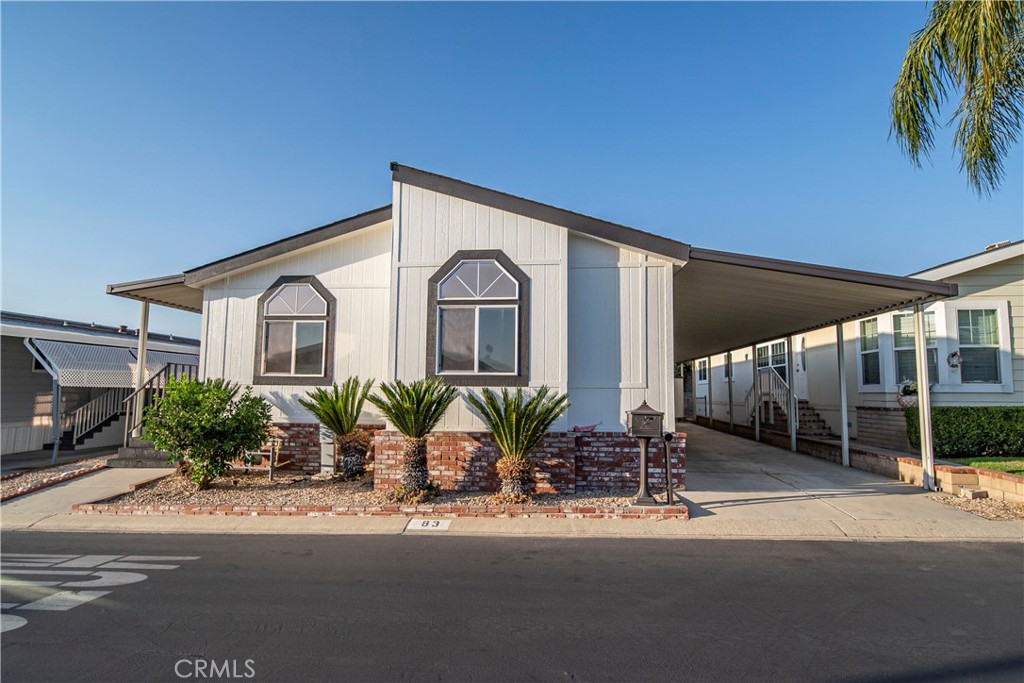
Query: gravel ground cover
point(252, 488)
point(989, 508)
point(32, 479)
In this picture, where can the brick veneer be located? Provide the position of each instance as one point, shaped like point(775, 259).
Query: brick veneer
point(300, 445)
point(566, 462)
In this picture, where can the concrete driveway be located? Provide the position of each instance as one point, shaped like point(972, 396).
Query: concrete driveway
point(732, 478)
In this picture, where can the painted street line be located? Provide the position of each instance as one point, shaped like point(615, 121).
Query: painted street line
point(71, 571)
point(63, 601)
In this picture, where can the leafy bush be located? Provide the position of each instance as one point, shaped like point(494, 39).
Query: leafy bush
point(965, 431)
point(414, 409)
point(339, 411)
point(205, 425)
point(518, 424)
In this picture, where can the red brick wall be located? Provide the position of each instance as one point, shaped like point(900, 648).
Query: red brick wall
point(567, 462)
point(610, 461)
point(465, 461)
point(300, 444)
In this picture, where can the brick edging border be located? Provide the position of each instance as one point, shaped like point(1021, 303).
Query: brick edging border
point(47, 483)
point(448, 511)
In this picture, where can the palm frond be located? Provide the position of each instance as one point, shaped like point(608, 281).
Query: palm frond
point(340, 408)
point(518, 423)
point(977, 48)
point(415, 408)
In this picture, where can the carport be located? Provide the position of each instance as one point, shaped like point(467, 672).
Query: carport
point(724, 301)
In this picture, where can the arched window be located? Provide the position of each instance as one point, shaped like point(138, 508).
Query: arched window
point(477, 332)
point(294, 333)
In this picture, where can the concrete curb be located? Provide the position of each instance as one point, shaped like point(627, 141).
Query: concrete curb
point(59, 479)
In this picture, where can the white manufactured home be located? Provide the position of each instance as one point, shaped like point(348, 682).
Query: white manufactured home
point(974, 357)
point(487, 289)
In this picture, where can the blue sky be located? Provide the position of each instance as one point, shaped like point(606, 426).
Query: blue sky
point(142, 139)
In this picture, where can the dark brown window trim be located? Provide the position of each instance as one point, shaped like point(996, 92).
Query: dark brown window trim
point(522, 378)
point(258, 378)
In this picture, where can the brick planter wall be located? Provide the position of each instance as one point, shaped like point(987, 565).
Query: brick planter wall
point(610, 461)
point(885, 427)
point(300, 444)
point(566, 462)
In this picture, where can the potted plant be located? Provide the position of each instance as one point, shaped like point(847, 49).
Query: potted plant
point(518, 424)
point(414, 409)
point(338, 410)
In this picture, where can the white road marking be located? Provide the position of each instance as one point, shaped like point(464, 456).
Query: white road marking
point(158, 558)
point(6, 582)
point(107, 579)
point(28, 555)
point(9, 622)
point(63, 601)
point(138, 565)
point(88, 561)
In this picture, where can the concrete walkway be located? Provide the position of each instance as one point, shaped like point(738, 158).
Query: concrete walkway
point(34, 460)
point(56, 501)
point(736, 489)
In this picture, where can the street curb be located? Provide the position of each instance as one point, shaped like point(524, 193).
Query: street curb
point(59, 479)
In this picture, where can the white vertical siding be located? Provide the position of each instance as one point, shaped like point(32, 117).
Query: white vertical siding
point(430, 227)
point(619, 342)
point(355, 268)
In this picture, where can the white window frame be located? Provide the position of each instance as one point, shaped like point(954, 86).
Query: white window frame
point(295, 323)
point(933, 345)
point(952, 338)
point(476, 337)
point(477, 298)
point(882, 384)
point(703, 364)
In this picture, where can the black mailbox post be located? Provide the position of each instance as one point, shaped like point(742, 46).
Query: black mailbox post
point(645, 423)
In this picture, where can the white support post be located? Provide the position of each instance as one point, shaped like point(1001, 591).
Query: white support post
point(140, 370)
point(56, 421)
point(791, 410)
point(844, 423)
point(711, 399)
point(728, 367)
point(924, 403)
point(757, 394)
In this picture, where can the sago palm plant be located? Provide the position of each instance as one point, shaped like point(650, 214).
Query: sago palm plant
point(518, 424)
point(339, 411)
point(414, 409)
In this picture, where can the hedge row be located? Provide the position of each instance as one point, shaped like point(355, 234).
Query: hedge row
point(967, 431)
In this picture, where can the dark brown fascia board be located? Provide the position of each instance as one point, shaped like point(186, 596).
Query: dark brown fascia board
point(595, 227)
point(288, 244)
point(929, 287)
point(121, 287)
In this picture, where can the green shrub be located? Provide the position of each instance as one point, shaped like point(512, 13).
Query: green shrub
point(965, 431)
point(205, 425)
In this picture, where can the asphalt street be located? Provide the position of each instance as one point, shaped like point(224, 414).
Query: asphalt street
point(448, 608)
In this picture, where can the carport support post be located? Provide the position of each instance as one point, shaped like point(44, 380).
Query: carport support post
point(140, 369)
point(757, 394)
point(844, 425)
point(728, 368)
point(791, 409)
point(711, 399)
point(924, 403)
point(56, 420)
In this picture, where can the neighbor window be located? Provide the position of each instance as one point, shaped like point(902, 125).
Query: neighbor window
point(773, 356)
point(870, 368)
point(294, 321)
point(979, 346)
point(702, 371)
point(903, 343)
point(477, 336)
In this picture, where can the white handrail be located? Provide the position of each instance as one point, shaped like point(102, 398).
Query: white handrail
point(773, 389)
point(98, 410)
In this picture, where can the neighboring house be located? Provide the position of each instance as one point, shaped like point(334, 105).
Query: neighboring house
point(487, 289)
point(93, 369)
point(975, 354)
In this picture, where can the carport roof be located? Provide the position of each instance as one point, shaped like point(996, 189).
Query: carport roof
point(726, 301)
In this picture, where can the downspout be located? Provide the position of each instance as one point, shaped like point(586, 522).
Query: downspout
point(55, 379)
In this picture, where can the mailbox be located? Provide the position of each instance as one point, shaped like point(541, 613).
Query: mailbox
point(645, 422)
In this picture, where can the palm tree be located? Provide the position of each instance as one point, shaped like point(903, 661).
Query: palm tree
point(977, 48)
point(339, 411)
point(518, 426)
point(414, 409)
